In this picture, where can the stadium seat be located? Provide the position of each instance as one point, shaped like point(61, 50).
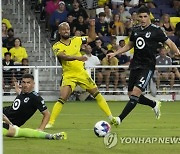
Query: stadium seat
point(169, 11)
point(156, 12)
point(163, 6)
point(106, 40)
point(162, 2)
point(173, 38)
point(174, 20)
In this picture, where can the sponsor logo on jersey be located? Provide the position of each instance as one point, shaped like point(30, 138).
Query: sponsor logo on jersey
point(140, 43)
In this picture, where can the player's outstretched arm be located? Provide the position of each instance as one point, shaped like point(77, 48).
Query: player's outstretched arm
point(91, 33)
point(173, 47)
point(45, 120)
point(17, 86)
point(65, 57)
point(126, 48)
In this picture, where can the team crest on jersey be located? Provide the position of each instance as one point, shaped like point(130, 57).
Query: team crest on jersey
point(148, 34)
point(26, 99)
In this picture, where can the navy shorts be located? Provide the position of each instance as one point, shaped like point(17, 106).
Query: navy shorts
point(139, 78)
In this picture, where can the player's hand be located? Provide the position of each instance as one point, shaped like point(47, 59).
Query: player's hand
point(82, 58)
point(177, 54)
point(110, 55)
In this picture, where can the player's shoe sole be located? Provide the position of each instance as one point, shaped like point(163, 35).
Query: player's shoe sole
point(60, 136)
point(49, 126)
point(157, 110)
point(115, 121)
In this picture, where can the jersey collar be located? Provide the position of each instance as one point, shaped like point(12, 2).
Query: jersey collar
point(145, 27)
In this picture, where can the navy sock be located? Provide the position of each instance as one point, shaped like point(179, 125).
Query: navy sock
point(146, 101)
point(129, 106)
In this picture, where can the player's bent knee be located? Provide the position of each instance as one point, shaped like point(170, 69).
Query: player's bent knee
point(137, 91)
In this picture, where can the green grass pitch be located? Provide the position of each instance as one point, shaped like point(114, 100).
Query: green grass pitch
point(78, 119)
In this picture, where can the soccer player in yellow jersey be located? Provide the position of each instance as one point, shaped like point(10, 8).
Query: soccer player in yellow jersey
point(68, 53)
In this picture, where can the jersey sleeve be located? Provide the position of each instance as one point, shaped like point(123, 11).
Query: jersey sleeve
point(56, 49)
point(161, 35)
point(40, 104)
point(132, 36)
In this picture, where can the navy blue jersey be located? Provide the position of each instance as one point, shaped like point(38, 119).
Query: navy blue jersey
point(23, 107)
point(146, 42)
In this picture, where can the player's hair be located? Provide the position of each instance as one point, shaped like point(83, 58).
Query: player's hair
point(143, 9)
point(28, 76)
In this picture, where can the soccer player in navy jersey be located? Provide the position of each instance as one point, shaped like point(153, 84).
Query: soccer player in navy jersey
point(144, 39)
point(26, 104)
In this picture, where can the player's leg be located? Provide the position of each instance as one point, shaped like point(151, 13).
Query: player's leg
point(100, 100)
point(131, 92)
point(138, 81)
point(142, 82)
point(65, 92)
point(31, 133)
point(86, 82)
point(14, 131)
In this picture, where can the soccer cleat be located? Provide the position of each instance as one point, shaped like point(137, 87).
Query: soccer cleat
point(157, 109)
point(59, 136)
point(115, 121)
point(49, 125)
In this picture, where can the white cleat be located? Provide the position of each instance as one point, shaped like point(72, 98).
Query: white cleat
point(157, 110)
point(115, 121)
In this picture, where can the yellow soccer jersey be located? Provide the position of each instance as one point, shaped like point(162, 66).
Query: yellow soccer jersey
point(75, 67)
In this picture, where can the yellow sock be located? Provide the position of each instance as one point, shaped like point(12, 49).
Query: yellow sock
point(56, 110)
point(103, 104)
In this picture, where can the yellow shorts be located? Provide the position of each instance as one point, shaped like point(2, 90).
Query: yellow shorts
point(83, 80)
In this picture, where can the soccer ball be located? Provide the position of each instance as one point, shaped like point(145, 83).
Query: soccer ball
point(101, 128)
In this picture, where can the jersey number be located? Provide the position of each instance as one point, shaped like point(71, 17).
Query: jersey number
point(142, 81)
